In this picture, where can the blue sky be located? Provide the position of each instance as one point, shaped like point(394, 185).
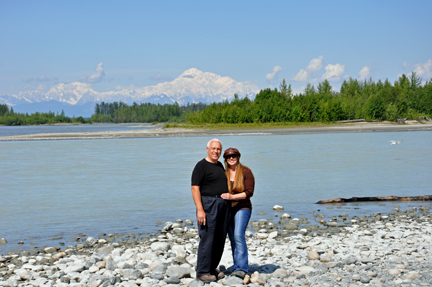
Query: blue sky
point(142, 43)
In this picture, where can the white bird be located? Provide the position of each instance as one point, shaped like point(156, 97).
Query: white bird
point(395, 142)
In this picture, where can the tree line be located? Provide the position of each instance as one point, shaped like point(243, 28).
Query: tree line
point(10, 118)
point(406, 98)
point(119, 112)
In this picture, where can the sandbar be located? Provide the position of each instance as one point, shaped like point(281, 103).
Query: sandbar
point(184, 132)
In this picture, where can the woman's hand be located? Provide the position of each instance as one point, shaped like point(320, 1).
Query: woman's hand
point(226, 196)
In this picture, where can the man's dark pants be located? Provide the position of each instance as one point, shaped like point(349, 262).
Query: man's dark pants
point(213, 234)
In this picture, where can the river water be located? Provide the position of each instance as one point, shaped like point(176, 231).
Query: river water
point(52, 189)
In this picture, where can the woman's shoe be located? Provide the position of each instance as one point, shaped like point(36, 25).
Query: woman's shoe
point(240, 274)
point(220, 275)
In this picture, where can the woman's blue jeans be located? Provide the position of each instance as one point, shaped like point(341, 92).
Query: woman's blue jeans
point(236, 233)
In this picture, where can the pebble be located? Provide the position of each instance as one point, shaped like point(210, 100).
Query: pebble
point(375, 250)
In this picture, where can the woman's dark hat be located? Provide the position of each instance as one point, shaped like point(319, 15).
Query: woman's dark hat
point(231, 151)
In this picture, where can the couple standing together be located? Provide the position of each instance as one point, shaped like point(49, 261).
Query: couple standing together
point(222, 198)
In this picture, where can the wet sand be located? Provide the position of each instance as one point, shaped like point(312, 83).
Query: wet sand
point(182, 132)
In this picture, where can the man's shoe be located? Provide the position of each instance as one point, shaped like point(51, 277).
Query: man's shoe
point(240, 274)
point(207, 278)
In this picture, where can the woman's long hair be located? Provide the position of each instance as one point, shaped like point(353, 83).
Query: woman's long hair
point(238, 185)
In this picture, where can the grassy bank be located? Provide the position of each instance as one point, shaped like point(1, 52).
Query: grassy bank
point(244, 126)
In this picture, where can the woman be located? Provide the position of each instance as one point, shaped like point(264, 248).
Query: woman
point(241, 185)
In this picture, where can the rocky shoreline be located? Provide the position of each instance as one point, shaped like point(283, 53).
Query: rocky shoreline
point(373, 250)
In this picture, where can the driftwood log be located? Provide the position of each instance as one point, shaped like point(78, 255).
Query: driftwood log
point(377, 198)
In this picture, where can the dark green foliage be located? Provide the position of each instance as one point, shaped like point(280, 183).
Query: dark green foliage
point(356, 100)
point(119, 112)
point(11, 118)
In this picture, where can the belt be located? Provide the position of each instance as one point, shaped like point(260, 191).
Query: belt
point(215, 196)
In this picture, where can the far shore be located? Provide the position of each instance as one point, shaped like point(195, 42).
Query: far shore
point(200, 132)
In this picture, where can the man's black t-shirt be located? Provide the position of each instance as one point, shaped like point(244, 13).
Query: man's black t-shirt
point(210, 177)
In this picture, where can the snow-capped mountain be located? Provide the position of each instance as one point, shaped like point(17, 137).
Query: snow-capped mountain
point(191, 86)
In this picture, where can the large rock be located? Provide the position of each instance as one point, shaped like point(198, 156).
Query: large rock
point(278, 207)
point(161, 246)
point(90, 240)
point(167, 226)
point(179, 272)
point(232, 280)
point(50, 250)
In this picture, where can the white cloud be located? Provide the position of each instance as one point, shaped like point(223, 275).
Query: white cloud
point(46, 79)
point(42, 79)
point(424, 70)
point(333, 72)
point(159, 78)
point(315, 64)
point(364, 73)
point(271, 77)
point(305, 74)
point(95, 78)
point(302, 76)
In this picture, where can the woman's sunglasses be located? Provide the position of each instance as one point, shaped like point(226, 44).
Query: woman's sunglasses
point(231, 156)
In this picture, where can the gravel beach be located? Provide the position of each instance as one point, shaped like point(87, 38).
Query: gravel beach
point(373, 250)
point(182, 132)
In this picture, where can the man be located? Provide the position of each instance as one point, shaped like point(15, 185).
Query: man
point(213, 212)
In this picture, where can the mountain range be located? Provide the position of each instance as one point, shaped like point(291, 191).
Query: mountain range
point(79, 99)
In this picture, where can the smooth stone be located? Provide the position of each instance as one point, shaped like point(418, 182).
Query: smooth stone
point(167, 226)
point(413, 275)
point(233, 280)
point(262, 235)
point(158, 276)
point(365, 279)
point(3, 241)
point(280, 273)
point(325, 259)
point(161, 246)
point(50, 250)
point(90, 240)
point(394, 272)
point(172, 280)
point(350, 260)
point(278, 207)
point(303, 270)
point(313, 255)
point(273, 235)
point(179, 272)
point(93, 269)
point(160, 269)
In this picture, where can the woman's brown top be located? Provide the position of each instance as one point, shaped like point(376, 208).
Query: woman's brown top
point(249, 184)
